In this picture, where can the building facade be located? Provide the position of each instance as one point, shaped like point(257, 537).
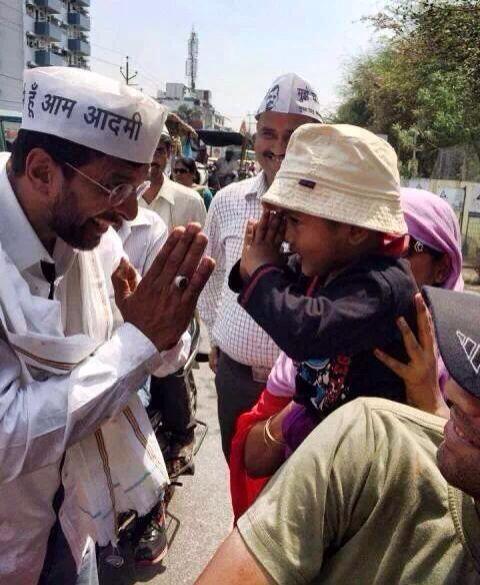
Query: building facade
point(39, 33)
point(197, 103)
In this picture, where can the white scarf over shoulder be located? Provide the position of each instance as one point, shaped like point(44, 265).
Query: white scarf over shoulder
point(120, 467)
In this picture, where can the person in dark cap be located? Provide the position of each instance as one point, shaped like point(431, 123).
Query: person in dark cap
point(379, 492)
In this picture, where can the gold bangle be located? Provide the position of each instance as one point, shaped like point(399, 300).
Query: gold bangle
point(267, 433)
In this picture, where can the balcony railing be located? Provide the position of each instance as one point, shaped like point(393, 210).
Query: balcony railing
point(45, 57)
point(54, 6)
point(81, 21)
point(48, 30)
point(79, 46)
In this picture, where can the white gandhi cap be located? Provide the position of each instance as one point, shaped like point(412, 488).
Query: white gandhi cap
point(92, 110)
point(290, 94)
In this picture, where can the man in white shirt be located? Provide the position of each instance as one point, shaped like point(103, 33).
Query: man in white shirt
point(226, 168)
point(242, 353)
point(71, 359)
point(174, 203)
point(143, 237)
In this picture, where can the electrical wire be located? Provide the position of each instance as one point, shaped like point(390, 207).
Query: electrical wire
point(7, 27)
point(11, 7)
point(19, 103)
point(4, 20)
point(149, 75)
point(107, 49)
point(10, 77)
point(105, 61)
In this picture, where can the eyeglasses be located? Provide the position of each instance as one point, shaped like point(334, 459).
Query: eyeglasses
point(181, 171)
point(120, 193)
point(417, 247)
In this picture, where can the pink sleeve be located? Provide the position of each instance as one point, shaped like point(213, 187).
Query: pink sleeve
point(281, 381)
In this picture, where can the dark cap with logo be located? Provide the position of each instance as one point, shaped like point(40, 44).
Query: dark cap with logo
point(456, 316)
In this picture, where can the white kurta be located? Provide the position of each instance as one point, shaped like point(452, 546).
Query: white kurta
point(177, 205)
point(143, 238)
point(39, 421)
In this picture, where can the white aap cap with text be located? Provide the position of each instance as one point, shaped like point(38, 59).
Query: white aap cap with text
point(93, 110)
point(290, 94)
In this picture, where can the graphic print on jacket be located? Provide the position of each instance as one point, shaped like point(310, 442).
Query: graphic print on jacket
point(321, 383)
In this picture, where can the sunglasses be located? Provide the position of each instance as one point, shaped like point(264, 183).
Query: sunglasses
point(181, 171)
point(120, 193)
point(417, 247)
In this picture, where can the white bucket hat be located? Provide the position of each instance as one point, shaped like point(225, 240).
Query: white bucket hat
point(342, 173)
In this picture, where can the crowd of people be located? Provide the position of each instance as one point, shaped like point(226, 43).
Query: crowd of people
point(341, 341)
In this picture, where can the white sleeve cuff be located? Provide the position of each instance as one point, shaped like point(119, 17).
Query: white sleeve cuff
point(170, 361)
point(160, 364)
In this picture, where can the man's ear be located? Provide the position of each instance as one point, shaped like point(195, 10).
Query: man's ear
point(42, 172)
point(357, 235)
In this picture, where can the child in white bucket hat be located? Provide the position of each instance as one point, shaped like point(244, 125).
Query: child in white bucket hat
point(336, 201)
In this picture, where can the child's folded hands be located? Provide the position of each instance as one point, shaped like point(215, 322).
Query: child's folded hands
point(262, 243)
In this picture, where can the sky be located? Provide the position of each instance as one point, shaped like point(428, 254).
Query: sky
point(243, 45)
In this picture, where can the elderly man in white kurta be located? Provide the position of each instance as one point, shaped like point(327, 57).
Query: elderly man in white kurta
point(76, 447)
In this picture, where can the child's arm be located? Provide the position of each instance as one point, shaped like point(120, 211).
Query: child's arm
point(354, 313)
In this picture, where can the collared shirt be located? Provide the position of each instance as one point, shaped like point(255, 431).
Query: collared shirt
point(39, 421)
point(226, 167)
point(177, 205)
point(143, 238)
point(229, 325)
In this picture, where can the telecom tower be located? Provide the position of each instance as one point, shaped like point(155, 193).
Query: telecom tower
point(191, 67)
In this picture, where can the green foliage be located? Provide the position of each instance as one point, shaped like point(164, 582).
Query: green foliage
point(421, 85)
point(188, 114)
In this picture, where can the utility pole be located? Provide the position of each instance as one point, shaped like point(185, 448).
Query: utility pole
point(250, 116)
point(126, 74)
point(191, 66)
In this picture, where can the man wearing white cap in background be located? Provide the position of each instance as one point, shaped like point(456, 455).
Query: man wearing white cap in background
point(76, 447)
point(243, 354)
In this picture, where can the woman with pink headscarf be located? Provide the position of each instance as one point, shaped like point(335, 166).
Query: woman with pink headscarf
point(435, 257)
point(435, 250)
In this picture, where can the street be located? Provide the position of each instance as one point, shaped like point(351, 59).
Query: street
point(199, 515)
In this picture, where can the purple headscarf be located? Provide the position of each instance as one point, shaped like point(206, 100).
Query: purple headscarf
point(432, 221)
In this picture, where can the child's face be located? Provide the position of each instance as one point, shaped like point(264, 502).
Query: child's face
point(316, 240)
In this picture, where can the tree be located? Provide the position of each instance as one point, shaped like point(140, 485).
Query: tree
point(188, 114)
point(421, 85)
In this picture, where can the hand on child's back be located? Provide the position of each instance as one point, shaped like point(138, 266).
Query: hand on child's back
point(262, 243)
